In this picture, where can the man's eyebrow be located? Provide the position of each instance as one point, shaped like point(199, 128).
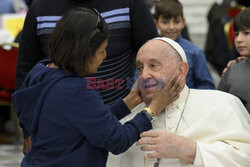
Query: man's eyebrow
point(150, 60)
point(154, 60)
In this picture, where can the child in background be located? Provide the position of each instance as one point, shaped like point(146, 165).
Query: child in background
point(237, 78)
point(170, 22)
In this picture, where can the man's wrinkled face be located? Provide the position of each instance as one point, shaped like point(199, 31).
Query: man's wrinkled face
point(155, 67)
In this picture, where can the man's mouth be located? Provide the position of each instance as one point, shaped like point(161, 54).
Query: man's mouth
point(150, 86)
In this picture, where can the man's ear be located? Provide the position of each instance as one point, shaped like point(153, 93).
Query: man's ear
point(183, 69)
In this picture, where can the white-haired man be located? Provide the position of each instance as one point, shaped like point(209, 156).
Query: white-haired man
point(201, 128)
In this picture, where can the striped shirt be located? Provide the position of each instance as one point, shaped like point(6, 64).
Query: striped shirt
point(130, 25)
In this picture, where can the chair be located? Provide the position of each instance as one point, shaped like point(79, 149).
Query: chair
point(8, 60)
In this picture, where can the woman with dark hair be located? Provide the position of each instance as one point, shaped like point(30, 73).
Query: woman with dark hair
point(130, 24)
point(69, 124)
point(73, 45)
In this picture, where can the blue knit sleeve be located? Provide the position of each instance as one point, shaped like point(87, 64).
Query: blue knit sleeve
point(119, 109)
point(100, 127)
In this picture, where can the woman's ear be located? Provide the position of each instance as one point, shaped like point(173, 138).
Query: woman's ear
point(156, 23)
point(183, 69)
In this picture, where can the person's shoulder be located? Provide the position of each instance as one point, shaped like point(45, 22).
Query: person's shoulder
point(207, 92)
point(37, 4)
point(39, 68)
point(48, 7)
point(73, 81)
point(214, 96)
point(38, 8)
point(243, 64)
point(207, 104)
point(188, 45)
point(74, 86)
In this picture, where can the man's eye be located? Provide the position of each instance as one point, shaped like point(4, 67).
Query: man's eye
point(155, 66)
point(139, 68)
point(236, 34)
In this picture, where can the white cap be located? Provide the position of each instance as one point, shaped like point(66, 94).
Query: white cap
point(175, 45)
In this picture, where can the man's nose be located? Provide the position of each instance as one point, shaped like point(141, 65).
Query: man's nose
point(146, 74)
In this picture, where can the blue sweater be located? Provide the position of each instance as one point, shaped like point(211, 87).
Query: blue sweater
point(198, 76)
point(69, 125)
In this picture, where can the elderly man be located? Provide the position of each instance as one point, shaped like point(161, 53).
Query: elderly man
point(201, 128)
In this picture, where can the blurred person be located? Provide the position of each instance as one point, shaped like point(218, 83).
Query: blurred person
point(206, 128)
point(130, 23)
point(68, 121)
point(6, 6)
point(18, 37)
point(170, 21)
point(220, 48)
point(236, 79)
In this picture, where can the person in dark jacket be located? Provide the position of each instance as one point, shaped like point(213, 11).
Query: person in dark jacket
point(130, 24)
point(68, 121)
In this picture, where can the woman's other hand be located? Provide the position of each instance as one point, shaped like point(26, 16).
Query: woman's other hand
point(133, 98)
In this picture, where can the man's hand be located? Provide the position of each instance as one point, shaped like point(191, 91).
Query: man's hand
point(167, 145)
point(230, 63)
point(165, 96)
point(26, 145)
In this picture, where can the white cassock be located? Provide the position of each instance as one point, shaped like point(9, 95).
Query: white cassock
point(217, 121)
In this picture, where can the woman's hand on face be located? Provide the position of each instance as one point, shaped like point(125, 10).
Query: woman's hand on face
point(133, 98)
point(168, 94)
